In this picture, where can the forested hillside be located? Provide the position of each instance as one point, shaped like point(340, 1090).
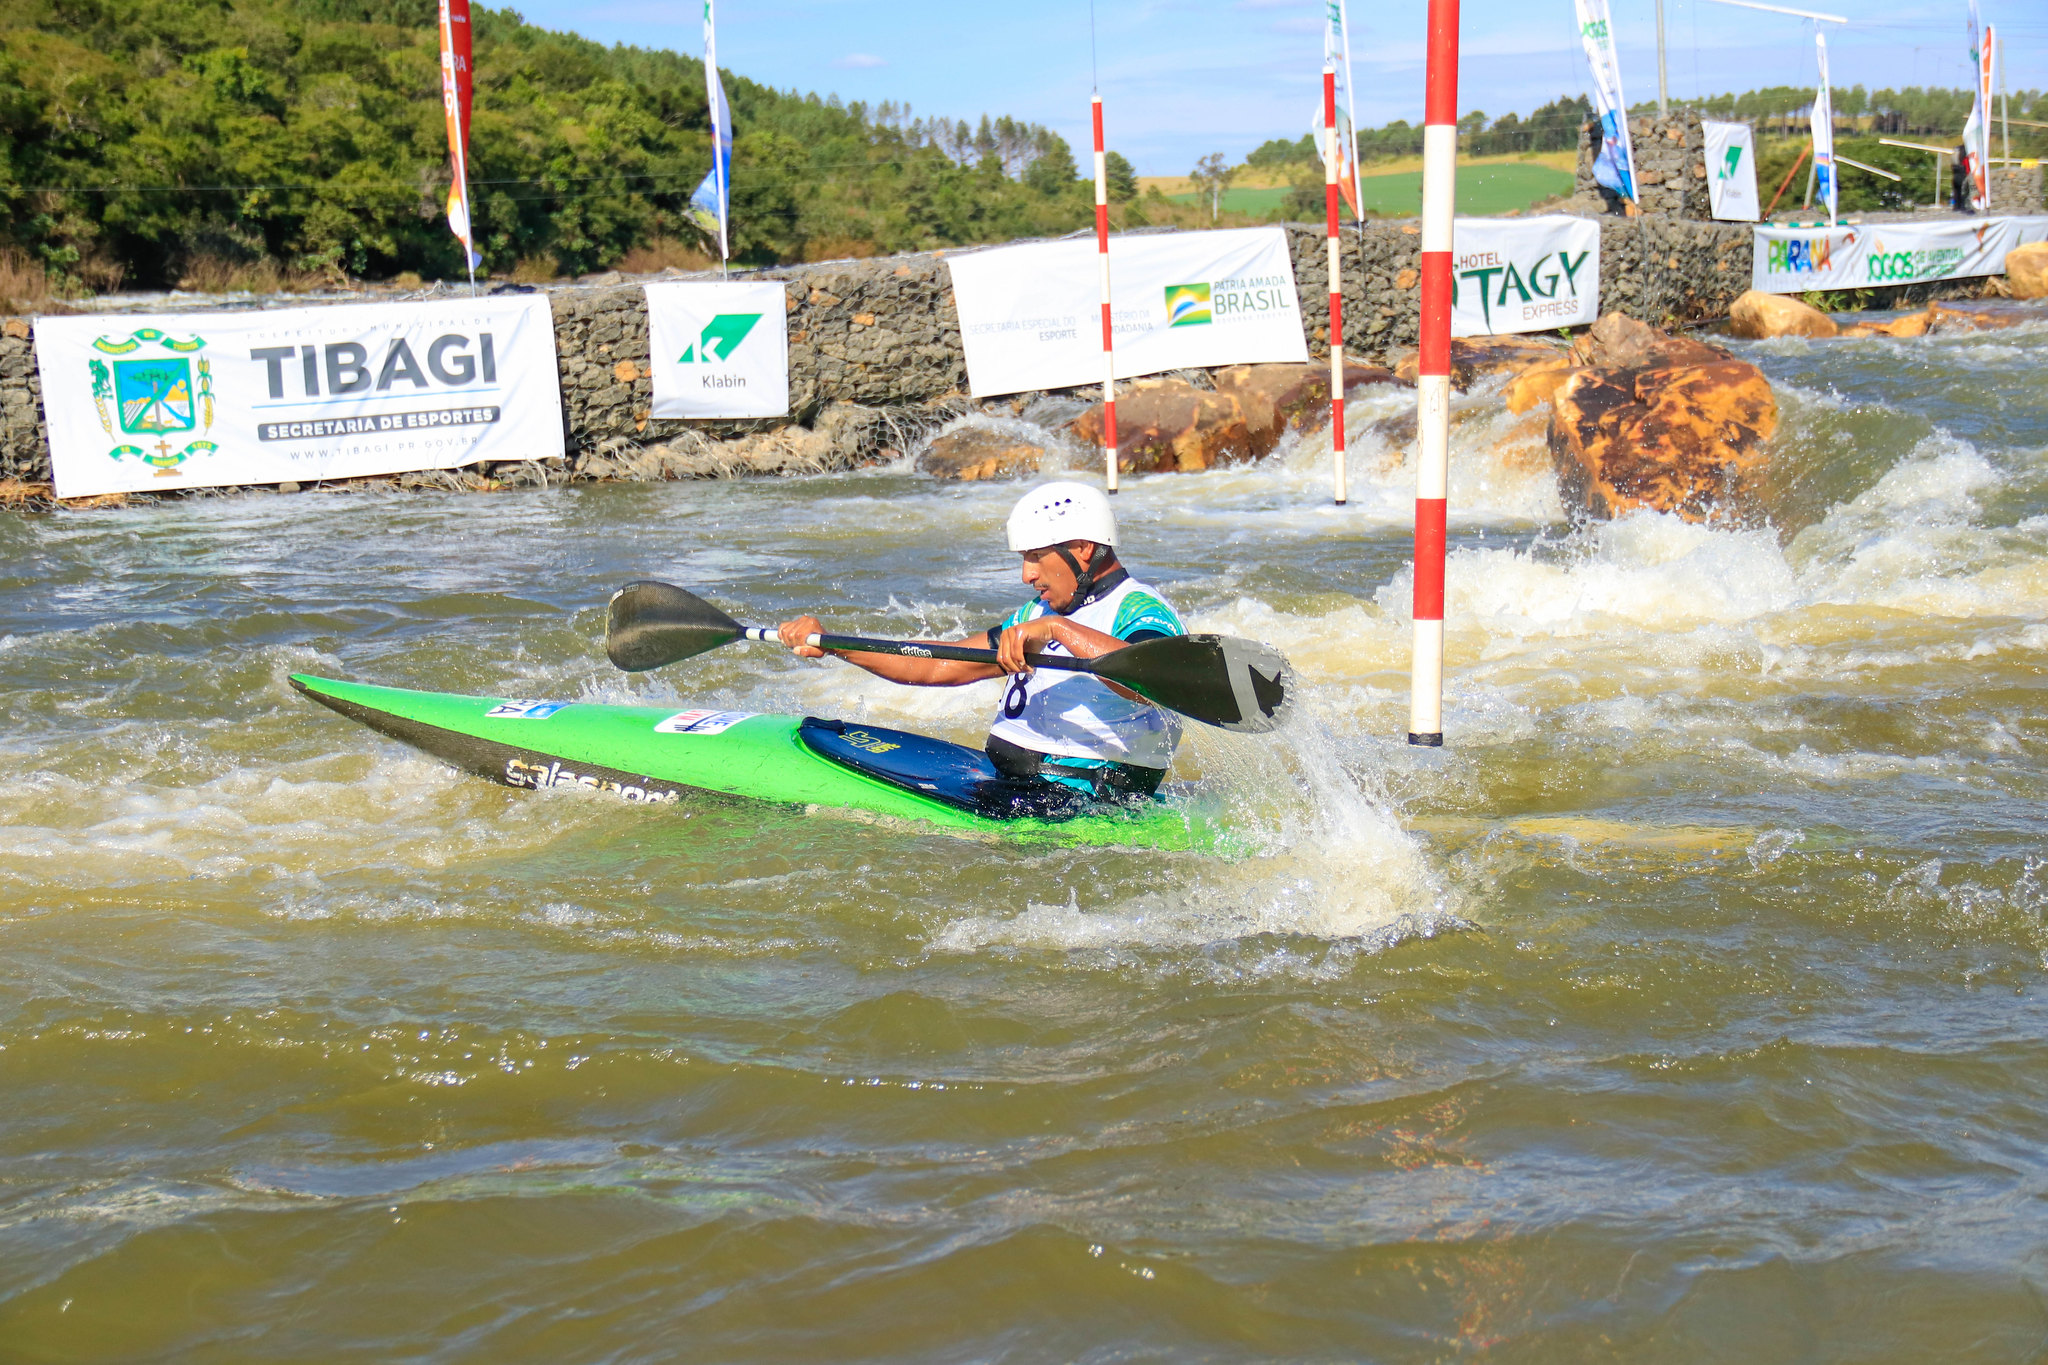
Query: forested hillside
point(142, 141)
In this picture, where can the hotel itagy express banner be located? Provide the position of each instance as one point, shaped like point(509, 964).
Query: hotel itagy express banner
point(1523, 274)
point(1031, 315)
point(145, 403)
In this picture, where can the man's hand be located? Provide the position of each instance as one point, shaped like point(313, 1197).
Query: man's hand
point(1032, 635)
point(794, 633)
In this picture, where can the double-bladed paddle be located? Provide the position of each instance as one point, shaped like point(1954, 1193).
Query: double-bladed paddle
point(1217, 679)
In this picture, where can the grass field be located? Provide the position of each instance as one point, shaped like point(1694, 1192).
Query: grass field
point(1483, 188)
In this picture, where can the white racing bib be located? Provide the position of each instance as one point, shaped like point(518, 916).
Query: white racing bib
point(1076, 715)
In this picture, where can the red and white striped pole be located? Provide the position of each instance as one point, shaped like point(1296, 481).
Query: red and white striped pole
point(1433, 374)
point(1108, 338)
point(1332, 164)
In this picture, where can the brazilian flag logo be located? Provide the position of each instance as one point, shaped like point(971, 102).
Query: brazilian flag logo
point(719, 339)
point(1187, 305)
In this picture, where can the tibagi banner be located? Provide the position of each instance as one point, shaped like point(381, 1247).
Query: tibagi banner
point(1523, 274)
point(720, 349)
point(1731, 171)
point(1031, 316)
point(195, 400)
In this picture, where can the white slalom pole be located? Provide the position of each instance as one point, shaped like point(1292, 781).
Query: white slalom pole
point(1433, 377)
point(1108, 336)
point(1332, 161)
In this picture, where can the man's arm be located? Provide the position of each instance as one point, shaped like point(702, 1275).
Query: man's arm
point(1083, 642)
point(895, 667)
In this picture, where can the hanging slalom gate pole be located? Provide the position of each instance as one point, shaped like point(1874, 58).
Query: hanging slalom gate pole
point(1433, 374)
point(1108, 337)
point(1332, 167)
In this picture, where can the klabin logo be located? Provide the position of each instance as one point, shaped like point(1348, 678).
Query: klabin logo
point(1187, 305)
point(154, 396)
point(719, 339)
point(1734, 159)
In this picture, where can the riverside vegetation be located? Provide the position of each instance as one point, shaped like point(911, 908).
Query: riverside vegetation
point(221, 144)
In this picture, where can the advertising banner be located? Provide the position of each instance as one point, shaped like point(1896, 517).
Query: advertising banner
point(1826, 178)
point(1731, 171)
point(719, 349)
point(1523, 274)
point(1793, 260)
point(148, 403)
point(1030, 315)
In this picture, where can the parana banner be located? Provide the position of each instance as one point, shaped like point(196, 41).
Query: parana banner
point(1794, 260)
point(1031, 316)
point(153, 402)
point(1523, 274)
point(1731, 171)
point(720, 349)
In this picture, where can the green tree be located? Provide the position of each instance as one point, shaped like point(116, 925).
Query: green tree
point(1121, 178)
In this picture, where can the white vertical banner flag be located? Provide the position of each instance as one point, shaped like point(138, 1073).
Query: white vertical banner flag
point(1731, 171)
point(711, 201)
point(1524, 274)
point(154, 402)
point(1615, 164)
point(1337, 54)
point(1825, 183)
point(719, 349)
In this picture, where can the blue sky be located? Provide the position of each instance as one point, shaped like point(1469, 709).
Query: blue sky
point(1181, 78)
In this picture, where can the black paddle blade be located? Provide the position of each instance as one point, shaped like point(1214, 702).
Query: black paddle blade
point(649, 624)
point(1236, 684)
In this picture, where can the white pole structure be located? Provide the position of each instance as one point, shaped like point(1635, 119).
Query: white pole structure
point(1108, 336)
point(1663, 96)
point(1433, 377)
point(1331, 162)
point(1984, 95)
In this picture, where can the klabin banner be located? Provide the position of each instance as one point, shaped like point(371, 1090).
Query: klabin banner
point(196, 400)
point(719, 349)
point(1030, 316)
point(1794, 260)
point(1731, 171)
point(1523, 274)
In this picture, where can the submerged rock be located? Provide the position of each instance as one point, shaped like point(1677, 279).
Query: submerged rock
point(974, 454)
point(1981, 315)
point(1168, 424)
point(1475, 358)
point(1757, 315)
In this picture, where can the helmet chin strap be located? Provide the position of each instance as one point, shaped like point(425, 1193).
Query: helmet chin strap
point(1084, 579)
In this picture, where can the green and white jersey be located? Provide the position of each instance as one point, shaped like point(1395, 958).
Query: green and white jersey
point(1075, 715)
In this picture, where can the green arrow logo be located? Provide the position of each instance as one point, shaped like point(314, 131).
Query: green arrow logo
point(719, 339)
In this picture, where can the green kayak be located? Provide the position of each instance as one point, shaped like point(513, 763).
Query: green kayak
point(663, 755)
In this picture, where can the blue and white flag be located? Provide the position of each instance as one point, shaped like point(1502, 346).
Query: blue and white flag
point(711, 204)
point(1615, 165)
point(1825, 185)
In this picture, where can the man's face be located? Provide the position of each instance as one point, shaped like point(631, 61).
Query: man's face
point(1049, 574)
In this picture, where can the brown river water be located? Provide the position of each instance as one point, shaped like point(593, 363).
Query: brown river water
point(1688, 1006)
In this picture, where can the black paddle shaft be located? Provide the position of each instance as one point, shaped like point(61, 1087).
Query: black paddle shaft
point(966, 654)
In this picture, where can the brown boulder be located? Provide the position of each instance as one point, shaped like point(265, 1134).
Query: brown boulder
point(1474, 358)
point(1911, 325)
point(1619, 342)
point(1682, 439)
point(2026, 271)
point(1169, 424)
point(1291, 397)
point(1532, 388)
point(1757, 315)
point(975, 454)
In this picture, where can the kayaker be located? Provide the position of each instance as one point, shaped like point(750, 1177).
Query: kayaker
point(1067, 728)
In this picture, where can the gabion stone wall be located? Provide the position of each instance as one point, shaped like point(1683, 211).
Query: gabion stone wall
point(1671, 166)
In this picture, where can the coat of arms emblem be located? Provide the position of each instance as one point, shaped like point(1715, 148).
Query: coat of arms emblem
point(155, 396)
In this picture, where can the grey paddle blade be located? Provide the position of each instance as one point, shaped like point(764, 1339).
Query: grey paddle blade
point(649, 624)
point(1236, 684)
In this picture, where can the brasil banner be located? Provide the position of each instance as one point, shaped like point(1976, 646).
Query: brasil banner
point(142, 403)
point(719, 349)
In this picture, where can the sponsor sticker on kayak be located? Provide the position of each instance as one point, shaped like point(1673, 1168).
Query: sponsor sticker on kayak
point(701, 721)
point(524, 710)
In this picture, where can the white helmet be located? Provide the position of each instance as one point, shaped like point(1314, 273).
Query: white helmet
point(1055, 513)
